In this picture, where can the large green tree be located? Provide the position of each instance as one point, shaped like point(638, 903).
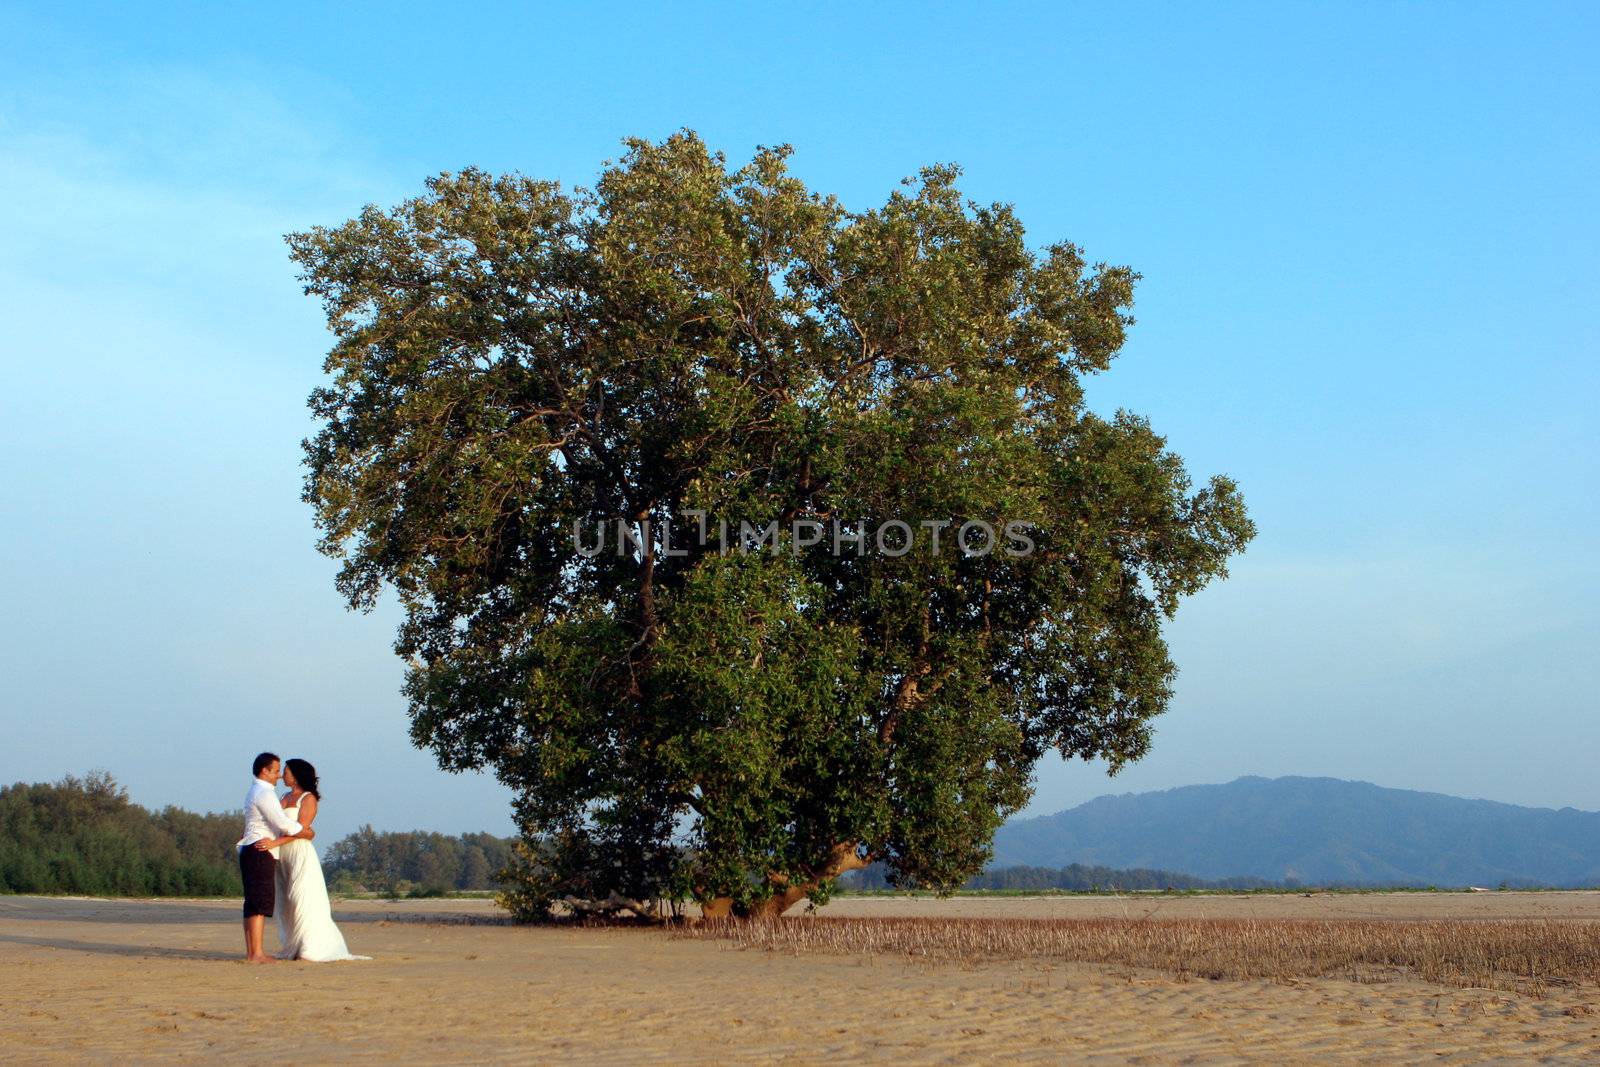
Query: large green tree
point(687, 345)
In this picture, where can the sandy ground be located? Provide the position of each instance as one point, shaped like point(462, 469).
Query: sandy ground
point(156, 981)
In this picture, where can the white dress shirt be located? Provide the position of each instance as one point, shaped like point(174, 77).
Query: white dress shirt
point(264, 816)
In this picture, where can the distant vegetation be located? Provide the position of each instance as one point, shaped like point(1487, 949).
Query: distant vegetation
point(1075, 877)
point(417, 863)
point(83, 835)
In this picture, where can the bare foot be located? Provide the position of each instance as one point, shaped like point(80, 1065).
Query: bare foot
point(261, 959)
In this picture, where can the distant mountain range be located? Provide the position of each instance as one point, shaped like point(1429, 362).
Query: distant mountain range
point(1315, 831)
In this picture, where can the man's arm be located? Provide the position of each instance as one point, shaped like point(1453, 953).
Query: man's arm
point(272, 811)
point(267, 844)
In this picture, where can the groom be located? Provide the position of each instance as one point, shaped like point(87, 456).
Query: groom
point(264, 821)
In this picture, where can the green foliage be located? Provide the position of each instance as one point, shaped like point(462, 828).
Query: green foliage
point(417, 863)
point(686, 339)
point(82, 835)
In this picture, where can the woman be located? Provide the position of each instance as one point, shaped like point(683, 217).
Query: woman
point(305, 918)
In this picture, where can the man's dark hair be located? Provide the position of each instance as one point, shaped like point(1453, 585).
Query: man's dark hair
point(263, 761)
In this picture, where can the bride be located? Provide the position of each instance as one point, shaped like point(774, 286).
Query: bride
point(305, 918)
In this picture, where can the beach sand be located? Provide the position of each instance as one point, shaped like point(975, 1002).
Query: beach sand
point(157, 981)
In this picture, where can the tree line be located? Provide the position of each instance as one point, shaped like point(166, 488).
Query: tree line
point(1076, 877)
point(417, 862)
point(83, 835)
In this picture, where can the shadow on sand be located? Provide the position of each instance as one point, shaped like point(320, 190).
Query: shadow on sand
point(95, 910)
point(104, 948)
point(190, 912)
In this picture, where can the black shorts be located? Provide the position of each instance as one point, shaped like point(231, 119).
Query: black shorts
point(259, 870)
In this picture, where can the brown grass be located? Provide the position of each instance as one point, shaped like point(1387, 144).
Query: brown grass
point(1522, 955)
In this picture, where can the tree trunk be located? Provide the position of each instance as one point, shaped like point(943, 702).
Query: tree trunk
point(780, 902)
point(841, 858)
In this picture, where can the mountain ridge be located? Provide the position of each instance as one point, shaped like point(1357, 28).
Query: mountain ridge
point(1315, 830)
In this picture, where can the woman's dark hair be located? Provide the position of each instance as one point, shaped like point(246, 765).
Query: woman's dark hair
point(305, 776)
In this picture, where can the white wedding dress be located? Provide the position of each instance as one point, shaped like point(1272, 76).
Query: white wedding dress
point(305, 917)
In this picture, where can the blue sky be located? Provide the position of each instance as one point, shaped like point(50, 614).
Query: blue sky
point(1368, 235)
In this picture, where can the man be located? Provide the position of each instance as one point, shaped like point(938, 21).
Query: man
point(264, 822)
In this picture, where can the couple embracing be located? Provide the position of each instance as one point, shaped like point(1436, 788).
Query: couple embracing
point(282, 874)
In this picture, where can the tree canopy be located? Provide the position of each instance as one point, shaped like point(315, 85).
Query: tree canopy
point(713, 357)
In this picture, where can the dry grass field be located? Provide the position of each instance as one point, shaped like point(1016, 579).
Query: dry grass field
point(1374, 978)
point(1511, 954)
